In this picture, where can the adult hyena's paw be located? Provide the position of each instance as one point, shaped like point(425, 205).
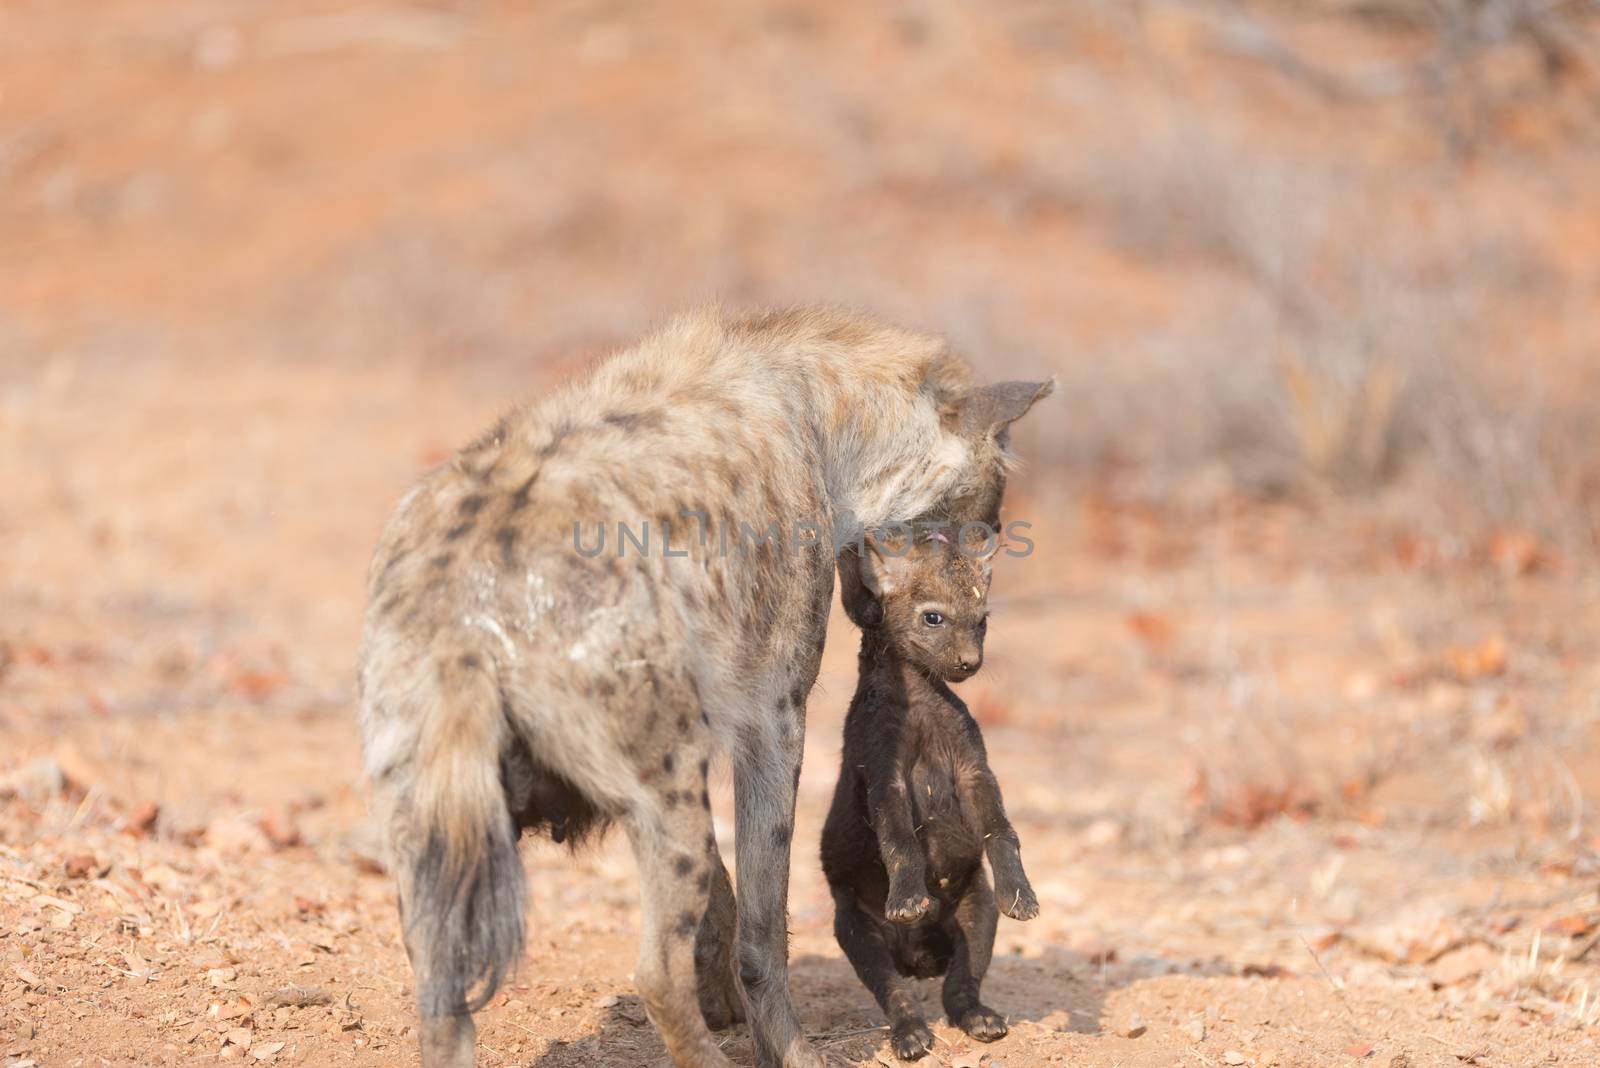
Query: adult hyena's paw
point(983, 1024)
point(801, 1055)
point(911, 1040)
point(1017, 901)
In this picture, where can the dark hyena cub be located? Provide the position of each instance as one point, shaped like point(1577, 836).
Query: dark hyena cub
point(916, 807)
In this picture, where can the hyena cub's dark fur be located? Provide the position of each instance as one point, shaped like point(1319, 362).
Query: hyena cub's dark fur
point(917, 808)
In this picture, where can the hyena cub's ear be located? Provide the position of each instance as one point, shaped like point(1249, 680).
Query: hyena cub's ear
point(988, 411)
point(863, 609)
point(885, 559)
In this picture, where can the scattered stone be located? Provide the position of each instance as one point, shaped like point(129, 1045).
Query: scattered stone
point(81, 773)
point(82, 866)
point(1233, 1056)
point(298, 997)
point(142, 820)
point(1462, 965)
point(236, 836)
point(1420, 937)
point(1096, 953)
point(38, 781)
point(280, 829)
point(1195, 1029)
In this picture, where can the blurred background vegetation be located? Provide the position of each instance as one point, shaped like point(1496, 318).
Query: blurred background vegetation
point(1339, 248)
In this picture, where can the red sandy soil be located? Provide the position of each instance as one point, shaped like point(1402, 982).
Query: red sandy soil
point(1297, 784)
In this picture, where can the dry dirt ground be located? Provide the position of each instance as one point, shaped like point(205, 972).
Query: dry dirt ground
point(1302, 782)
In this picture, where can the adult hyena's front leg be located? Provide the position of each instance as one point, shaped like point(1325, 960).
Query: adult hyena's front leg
point(766, 775)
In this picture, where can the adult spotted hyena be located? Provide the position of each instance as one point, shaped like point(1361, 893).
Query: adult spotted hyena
point(514, 677)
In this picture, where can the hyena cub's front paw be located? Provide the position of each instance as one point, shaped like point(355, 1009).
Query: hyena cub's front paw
point(911, 1039)
point(908, 901)
point(983, 1024)
point(1017, 900)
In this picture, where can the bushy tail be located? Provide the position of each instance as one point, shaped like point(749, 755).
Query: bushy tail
point(464, 910)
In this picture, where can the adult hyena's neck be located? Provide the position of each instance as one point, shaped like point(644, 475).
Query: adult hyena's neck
point(819, 395)
point(879, 401)
point(876, 479)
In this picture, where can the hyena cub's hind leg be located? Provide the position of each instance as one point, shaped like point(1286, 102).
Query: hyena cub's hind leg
point(866, 946)
point(972, 927)
point(682, 978)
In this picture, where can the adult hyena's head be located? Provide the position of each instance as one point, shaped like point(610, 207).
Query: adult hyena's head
point(981, 419)
point(974, 441)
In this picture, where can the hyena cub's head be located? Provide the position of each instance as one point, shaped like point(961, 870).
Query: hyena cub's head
point(929, 596)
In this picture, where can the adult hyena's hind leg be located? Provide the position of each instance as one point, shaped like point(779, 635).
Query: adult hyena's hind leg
point(462, 931)
point(678, 863)
point(447, 1041)
point(438, 793)
point(716, 973)
point(437, 944)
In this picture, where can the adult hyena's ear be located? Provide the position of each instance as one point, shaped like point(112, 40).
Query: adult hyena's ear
point(989, 410)
point(981, 543)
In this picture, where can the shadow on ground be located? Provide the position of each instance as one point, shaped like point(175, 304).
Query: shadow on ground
point(1059, 991)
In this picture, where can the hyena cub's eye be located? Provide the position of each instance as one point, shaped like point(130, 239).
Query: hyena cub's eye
point(933, 619)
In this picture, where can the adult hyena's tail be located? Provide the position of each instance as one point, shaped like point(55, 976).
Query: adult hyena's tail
point(463, 885)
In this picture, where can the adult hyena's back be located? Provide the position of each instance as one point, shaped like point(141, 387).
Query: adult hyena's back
point(704, 429)
point(701, 429)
